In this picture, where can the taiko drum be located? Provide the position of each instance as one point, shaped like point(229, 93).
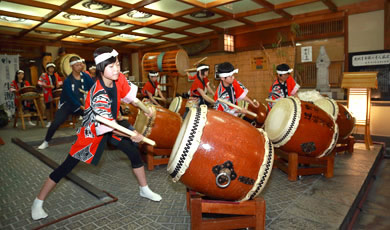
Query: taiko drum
point(170, 61)
point(162, 127)
point(178, 105)
point(221, 156)
point(301, 127)
point(62, 64)
point(261, 112)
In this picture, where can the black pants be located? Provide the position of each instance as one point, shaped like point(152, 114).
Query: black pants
point(59, 118)
point(125, 145)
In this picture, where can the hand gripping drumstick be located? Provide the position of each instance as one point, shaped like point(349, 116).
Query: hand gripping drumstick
point(236, 106)
point(141, 106)
point(114, 125)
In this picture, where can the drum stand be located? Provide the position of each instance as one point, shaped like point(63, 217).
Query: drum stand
point(249, 213)
point(289, 163)
point(345, 145)
point(19, 113)
point(152, 152)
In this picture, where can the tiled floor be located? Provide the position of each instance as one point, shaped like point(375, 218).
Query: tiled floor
point(313, 202)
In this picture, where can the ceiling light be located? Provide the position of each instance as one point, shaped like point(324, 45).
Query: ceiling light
point(74, 17)
point(138, 14)
point(113, 24)
point(11, 19)
point(93, 5)
point(43, 32)
point(202, 14)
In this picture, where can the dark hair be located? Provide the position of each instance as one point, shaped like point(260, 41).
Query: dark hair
point(283, 67)
point(225, 67)
point(50, 66)
point(61, 50)
point(16, 75)
point(102, 65)
point(46, 54)
point(203, 70)
point(74, 58)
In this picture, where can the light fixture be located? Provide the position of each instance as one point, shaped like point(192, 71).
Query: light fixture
point(298, 44)
point(11, 19)
point(202, 14)
point(93, 5)
point(228, 43)
point(138, 14)
point(73, 17)
point(108, 22)
point(359, 86)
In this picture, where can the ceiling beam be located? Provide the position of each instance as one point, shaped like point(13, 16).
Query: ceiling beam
point(293, 3)
point(271, 7)
point(330, 5)
point(37, 4)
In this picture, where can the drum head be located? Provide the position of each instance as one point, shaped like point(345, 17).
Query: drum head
point(64, 68)
point(143, 123)
point(242, 104)
point(329, 106)
point(182, 62)
point(176, 104)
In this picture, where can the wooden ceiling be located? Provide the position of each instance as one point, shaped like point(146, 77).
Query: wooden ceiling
point(149, 24)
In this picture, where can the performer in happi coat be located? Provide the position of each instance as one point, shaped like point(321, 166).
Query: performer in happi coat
point(150, 88)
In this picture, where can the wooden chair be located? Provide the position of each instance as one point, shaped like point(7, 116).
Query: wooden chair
point(29, 94)
point(250, 213)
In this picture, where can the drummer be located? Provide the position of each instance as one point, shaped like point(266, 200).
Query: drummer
point(16, 85)
point(71, 97)
point(199, 88)
point(150, 88)
point(49, 81)
point(92, 72)
point(230, 90)
point(284, 85)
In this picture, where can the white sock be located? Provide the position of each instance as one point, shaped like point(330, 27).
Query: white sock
point(44, 145)
point(31, 123)
point(37, 211)
point(48, 124)
point(147, 193)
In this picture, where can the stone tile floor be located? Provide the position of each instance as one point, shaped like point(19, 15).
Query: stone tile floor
point(313, 202)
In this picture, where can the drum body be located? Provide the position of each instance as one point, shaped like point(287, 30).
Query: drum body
point(221, 156)
point(344, 119)
point(57, 93)
point(170, 61)
point(178, 105)
point(261, 112)
point(130, 111)
point(162, 127)
point(62, 64)
point(28, 91)
point(301, 127)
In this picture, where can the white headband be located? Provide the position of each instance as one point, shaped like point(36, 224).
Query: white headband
point(104, 56)
point(228, 74)
point(126, 71)
point(202, 67)
point(20, 71)
point(50, 64)
point(92, 67)
point(153, 74)
point(74, 62)
point(284, 72)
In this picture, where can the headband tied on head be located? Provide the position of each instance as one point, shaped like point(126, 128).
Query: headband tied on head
point(228, 74)
point(202, 67)
point(92, 67)
point(76, 61)
point(50, 65)
point(20, 71)
point(126, 71)
point(105, 56)
point(284, 72)
point(153, 74)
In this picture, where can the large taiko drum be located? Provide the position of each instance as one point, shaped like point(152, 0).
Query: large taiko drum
point(62, 64)
point(178, 105)
point(162, 127)
point(261, 112)
point(221, 156)
point(344, 119)
point(129, 111)
point(170, 61)
point(298, 126)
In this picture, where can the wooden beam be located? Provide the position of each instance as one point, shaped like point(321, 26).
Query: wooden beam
point(37, 4)
point(387, 25)
point(330, 5)
point(346, 44)
point(271, 7)
point(19, 15)
point(363, 7)
point(293, 3)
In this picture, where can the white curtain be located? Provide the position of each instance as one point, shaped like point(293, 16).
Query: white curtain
point(9, 64)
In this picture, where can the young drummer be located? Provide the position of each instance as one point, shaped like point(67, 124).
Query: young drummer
point(151, 86)
point(230, 90)
point(104, 100)
point(71, 97)
point(284, 85)
point(49, 81)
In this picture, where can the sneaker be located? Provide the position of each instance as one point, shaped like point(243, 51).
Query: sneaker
point(48, 124)
point(32, 123)
point(44, 145)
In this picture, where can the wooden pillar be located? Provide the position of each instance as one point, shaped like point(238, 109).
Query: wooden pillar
point(346, 43)
point(387, 24)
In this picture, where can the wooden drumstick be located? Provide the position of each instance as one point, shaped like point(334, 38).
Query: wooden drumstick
point(141, 106)
point(236, 106)
point(199, 61)
point(159, 99)
point(83, 91)
point(270, 100)
point(114, 125)
point(190, 70)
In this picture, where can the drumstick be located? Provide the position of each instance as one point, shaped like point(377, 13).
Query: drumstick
point(190, 70)
point(159, 99)
point(270, 100)
point(114, 125)
point(82, 91)
point(141, 106)
point(200, 61)
point(236, 106)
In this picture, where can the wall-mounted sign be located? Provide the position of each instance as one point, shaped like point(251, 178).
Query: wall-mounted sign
point(259, 63)
point(306, 54)
point(371, 59)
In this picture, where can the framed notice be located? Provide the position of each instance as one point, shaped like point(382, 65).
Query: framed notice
point(306, 54)
point(259, 63)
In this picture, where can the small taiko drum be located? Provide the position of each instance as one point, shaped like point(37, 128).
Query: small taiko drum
point(344, 119)
point(261, 112)
point(178, 105)
point(170, 61)
point(301, 127)
point(162, 127)
point(57, 93)
point(28, 92)
point(221, 156)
